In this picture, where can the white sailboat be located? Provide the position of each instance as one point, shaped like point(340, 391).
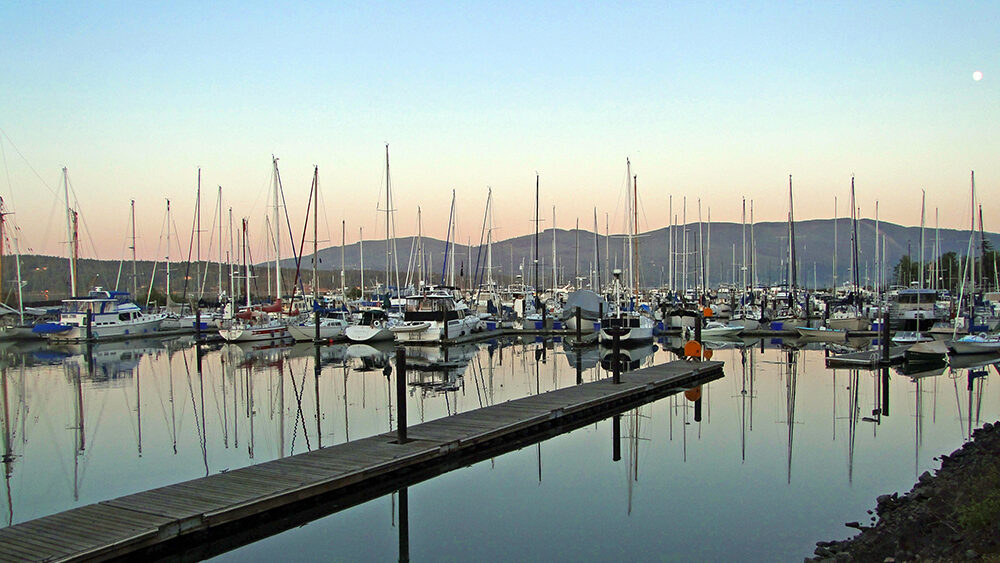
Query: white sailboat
point(633, 326)
point(265, 323)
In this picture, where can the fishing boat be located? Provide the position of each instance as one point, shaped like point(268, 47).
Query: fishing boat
point(433, 316)
point(100, 315)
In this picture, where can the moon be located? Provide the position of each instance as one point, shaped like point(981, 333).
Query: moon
point(977, 75)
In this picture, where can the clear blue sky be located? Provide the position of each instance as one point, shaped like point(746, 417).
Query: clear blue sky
point(709, 100)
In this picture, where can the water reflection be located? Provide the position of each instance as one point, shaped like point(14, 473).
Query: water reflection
point(80, 427)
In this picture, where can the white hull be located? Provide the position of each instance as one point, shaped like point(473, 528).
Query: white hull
point(433, 331)
point(722, 331)
point(306, 333)
point(975, 345)
point(848, 323)
point(586, 325)
point(824, 335)
point(357, 333)
point(254, 333)
point(146, 325)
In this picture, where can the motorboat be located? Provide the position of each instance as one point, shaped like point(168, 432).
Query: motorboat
point(331, 325)
point(374, 326)
point(981, 343)
point(102, 314)
point(434, 316)
point(822, 334)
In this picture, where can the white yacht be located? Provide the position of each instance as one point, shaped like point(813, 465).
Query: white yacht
point(434, 316)
point(109, 314)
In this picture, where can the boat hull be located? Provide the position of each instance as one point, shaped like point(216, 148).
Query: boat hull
point(357, 333)
point(102, 332)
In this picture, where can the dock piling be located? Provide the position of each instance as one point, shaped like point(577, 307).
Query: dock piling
point(616, 350)
point(401, 395)
point(616, 438)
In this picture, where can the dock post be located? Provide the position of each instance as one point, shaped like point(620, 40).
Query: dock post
point(544, 316)
point(401, 395)
point(579, 321)
point(884, 336)
point(697, 333)
point(616, 438)
point(697, 409)
point(579, 365)
point(316, 323)
point(445, 322)
point(616, 350)
point(197, 324)
point(89, 320)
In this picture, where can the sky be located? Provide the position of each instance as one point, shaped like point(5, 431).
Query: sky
point(709, 101)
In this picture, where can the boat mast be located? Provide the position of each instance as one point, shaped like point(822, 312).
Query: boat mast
point(628, 219)
point(361, 251)
point(231, 257)
point(246, 266)
point(197, 267)
point(277, 234)
point(792, 273)
point(219, 292)
point(597, 257)
point(576, 267)
point(923, 200)
point(537, 287)
point(315, 280)
point(670, 243)
point(134, 276)
point(69, 235)
point(166, 300)
point(555, 270)
point(343, 245)
point(855, 274)
point(835, 218)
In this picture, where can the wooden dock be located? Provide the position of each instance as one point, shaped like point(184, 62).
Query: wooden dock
point(211, 515)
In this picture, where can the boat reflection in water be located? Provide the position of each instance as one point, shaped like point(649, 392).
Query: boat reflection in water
point(436, 369)
point(628, 358)
point(371, 356)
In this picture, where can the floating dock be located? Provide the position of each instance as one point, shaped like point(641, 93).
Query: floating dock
point(211, 515)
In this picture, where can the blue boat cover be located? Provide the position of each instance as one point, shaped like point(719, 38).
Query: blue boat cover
point(50, 328)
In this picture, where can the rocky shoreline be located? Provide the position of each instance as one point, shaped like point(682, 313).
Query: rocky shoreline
point(953, 515)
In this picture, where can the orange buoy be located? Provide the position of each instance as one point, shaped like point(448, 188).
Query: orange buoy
point(692, 349)
point(707, 354)
point(707, 312)
point(693, 394)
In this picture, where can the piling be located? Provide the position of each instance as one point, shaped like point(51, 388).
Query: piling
point(401, 394)
point(884, 336)
point(89, 322)
point(579, 322)
point(316, 322)
point(197, 324)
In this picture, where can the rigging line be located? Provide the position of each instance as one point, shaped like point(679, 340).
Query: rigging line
point(298, 259)
point(194, 411)
point(288, 224)
point(27, 163)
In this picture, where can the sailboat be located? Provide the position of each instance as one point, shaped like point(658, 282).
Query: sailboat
point(331, 323)
point(636, 328)
point(254, 325)
point(847, 316)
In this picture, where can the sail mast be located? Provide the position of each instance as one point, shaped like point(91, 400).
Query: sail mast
point(134, 277)
point(315, 280)
point(792, 273)
point(69, 236)
point(277, 234)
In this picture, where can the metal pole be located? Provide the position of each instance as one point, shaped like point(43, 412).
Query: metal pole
point(579, 321)
point(616, 438)
point(401, 395)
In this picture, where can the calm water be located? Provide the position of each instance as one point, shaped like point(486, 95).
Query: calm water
point(786, 452)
